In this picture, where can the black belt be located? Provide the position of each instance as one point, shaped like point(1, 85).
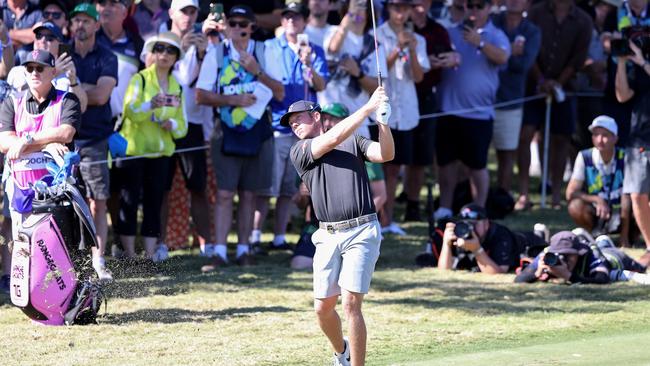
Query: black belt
point(332, 227)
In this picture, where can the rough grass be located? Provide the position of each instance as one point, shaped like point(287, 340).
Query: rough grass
point(262, 316)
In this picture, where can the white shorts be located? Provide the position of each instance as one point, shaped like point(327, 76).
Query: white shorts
point(507, 125)
point(345, 259)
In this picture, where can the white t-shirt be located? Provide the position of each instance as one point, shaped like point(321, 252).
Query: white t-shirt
point(337, 90)
point(605, 168)
point(317, 35)
point(405, 113)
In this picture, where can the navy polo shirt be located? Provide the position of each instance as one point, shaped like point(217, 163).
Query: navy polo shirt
point(96, 121)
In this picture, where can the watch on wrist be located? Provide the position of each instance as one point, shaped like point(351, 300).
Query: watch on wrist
point(28, 138)
point(481, 45)
point(259, 73)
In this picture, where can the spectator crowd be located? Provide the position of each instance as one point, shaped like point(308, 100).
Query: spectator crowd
point(195, 92)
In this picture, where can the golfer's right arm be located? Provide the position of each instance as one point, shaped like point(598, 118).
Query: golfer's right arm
point(326, 142)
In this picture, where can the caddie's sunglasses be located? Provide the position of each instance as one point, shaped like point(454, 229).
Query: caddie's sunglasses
point(48, 37)
point(160, 48)
point(475, 6)
point(30, 69)
point(240, 24)
point(56, 15)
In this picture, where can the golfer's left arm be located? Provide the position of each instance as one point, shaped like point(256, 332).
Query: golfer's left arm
point(384, 150)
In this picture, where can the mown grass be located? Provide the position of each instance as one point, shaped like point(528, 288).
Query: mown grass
point(263, 316)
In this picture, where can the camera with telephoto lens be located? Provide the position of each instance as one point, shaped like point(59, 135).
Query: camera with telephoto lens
point(463, 229)
point(552, 259)
point(639, 35)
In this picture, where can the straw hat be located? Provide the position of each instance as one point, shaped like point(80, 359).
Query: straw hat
point(168, 38)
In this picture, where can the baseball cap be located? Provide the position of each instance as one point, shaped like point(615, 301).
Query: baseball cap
point(297, 8)
point(336, 109)
point(297, 107)
point(605, 122)
point(85, 8)
point(566, 242)
point(472, 211)
point(40, 57)
point(56, 31)
point(243, 11)
point(182, 4)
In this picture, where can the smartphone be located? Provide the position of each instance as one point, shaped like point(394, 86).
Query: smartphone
point(198, 28)
point(469, 23)
point(172, 100)
point(65, 48)
point(303, 40)
point(217, 10)
point(620, 47)
point(439, 49)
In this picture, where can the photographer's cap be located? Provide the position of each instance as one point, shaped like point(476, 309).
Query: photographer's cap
point(605, 122)
point(297, 107)
point(296, 8)
point(40, 57)
point(566, 242)
point(243, 11)
point(472, 211)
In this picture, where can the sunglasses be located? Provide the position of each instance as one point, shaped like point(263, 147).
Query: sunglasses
point(48, 37)
point(30, 68)
point(103, 2)
point(56, 15)
point(240, 24)
point(160, 48)
point(459, 7)
point(476, 6)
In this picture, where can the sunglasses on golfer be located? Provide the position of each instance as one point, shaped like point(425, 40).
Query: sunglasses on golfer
point(169, 49)
point(30, 68)
point(48, 37)
point(240, 24)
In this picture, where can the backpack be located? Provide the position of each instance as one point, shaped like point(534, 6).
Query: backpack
point(52, 280)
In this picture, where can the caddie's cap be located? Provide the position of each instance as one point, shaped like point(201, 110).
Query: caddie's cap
point(297, 107)
point(605, 122)
point(40, 57)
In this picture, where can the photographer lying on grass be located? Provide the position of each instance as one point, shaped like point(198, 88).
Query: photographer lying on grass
point(575, 259)
point(474, 241)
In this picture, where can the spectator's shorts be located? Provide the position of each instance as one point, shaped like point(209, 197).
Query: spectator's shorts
point(403, 144)
point(193, 163)
point(637, 171)
point(235, 173)
point(424, 139)
point(563, 115)
point(283, 180)
point(464, 139)
point(95, 178)
point(507, 125)
point(345, 259)
point(375, 171)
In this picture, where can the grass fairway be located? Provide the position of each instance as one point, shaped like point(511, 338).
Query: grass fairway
point(263, 316)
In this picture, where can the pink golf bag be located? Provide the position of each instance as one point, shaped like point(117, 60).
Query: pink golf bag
point(52, 279)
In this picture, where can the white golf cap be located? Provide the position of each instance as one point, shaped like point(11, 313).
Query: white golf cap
point(181, 4)
point(605, 122)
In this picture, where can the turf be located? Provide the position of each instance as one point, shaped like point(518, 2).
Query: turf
point(263, 316)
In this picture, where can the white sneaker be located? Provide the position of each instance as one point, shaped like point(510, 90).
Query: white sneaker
point(393, 228)
point(103, 273)
point(344, 358)
point(207, 251)
point(584, 233)
point(161, 254)
point(441, 213)
point(604, 241)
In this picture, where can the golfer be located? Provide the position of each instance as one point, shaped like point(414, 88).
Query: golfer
point(332, 166)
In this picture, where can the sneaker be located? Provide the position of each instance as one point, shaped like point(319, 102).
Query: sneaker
point(246, 260)
point(256, 249)
point(283, 246)
point(584, 234)
point(217, 262)
point(207, 251)
point(442, 213)
point(161, 254)
point(393, 228)
point(116, 251)
point(4, 284)
point(344, 358)
point(103, 273)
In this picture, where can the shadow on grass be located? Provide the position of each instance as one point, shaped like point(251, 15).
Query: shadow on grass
point(176, 315)
point(497, 298)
